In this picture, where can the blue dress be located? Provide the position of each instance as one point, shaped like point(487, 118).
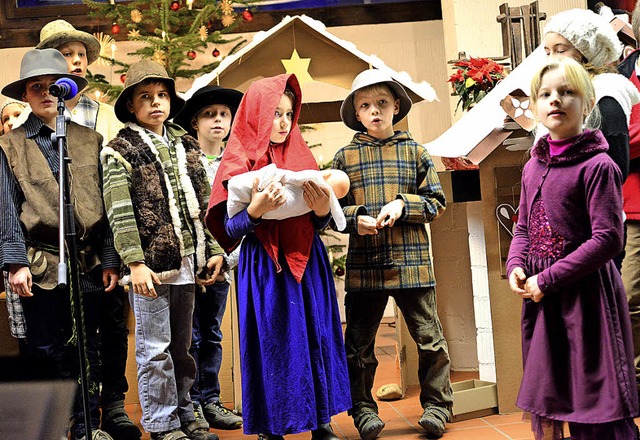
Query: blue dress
point(294, 370)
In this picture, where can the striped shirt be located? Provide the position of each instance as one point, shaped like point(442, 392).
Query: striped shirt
point(381, 171)
point(12, 239)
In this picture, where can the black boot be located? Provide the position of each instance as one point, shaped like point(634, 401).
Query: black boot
point(116, 422)
point(324, 432)
point(367, 423)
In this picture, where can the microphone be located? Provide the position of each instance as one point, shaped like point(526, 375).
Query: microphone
point(64, 88)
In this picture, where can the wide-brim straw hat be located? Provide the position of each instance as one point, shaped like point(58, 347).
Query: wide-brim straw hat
point(58, 32)
point(137, 73)
point(369, 78)
point(204, 97)
point(40, 62)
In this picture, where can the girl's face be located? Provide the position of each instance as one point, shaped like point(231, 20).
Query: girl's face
point(9, 116)
point(557, 45)
point(76, 55)
point(213, 123)
point(559, 107)
point(282, 120)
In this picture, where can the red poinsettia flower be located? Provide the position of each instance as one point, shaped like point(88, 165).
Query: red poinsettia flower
point(473, 79)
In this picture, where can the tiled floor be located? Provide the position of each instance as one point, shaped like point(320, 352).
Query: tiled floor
point(401, 416)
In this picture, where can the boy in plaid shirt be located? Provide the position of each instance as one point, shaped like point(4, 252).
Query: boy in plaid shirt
point(394, 191)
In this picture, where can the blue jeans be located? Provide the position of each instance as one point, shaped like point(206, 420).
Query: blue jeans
point(206, 342)
point(166, 371)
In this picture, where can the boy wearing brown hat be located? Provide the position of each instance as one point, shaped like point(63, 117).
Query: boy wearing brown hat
point(207, 116)
point(29, 206)
point(394, 192)
point(81, 49)
point(156, 193)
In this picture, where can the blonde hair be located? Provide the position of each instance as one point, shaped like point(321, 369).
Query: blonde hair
point(374, 89)
point(578, 79)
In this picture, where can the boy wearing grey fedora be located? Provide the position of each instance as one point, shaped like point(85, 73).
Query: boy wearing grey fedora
point(394, 192)
point(81, 49)
point(29, 206)
point(207, 116)
point(156, 193)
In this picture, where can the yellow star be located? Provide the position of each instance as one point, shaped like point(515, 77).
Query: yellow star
point(298, 66)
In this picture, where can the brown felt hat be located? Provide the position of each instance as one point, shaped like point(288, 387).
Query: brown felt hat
point(137, 73)
point(40, 62)
point(58, 32)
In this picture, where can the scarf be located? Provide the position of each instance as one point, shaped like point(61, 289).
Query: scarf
point(249, 149)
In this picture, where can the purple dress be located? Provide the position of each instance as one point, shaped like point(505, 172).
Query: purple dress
point(576, 343)
point(294, 370)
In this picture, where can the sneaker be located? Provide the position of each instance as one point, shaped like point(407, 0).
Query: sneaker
point(198, 430)
point(324, 432)
point(197, 411)
point(368, 424)
point(176, 434)
point(97, 434)
point(220, 417)
point(433, 421)
point(117, 423)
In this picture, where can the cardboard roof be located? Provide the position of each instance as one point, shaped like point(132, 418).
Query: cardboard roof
point(333, 61)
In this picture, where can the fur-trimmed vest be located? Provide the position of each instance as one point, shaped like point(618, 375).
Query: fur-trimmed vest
point(154, 206)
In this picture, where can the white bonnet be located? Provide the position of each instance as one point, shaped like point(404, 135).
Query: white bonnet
point(590, 33)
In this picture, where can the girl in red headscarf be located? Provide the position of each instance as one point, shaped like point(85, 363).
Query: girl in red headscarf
point(294, 371)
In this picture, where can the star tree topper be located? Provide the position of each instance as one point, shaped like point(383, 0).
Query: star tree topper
point(298, 66)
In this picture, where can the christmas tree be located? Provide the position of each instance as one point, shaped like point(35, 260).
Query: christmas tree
point(172, 33)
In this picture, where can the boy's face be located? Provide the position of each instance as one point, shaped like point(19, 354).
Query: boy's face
point(9, 116)
point(37, 95)
point(76, 55)
point(375, 108)
point(213, 123)
point(282, 120)
point(151, 105)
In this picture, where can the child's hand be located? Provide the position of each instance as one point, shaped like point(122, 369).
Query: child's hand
point(214, 270)
point(110, 278)
point(367, 225)
point(389, 213)
point(532, 288)
point(143, 280)
point(517, 279)
point(20, 280)
point(268, 199)
point(317, 198)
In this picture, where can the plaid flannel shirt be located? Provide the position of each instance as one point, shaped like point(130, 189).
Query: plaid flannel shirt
point(380, 172)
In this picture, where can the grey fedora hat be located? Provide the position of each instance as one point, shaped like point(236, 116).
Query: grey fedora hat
point(137, 73)
point(368, 78)
point(40, 62)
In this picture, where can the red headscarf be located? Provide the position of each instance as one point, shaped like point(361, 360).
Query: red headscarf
point(249, 149)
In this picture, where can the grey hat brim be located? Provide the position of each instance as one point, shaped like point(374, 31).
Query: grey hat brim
point(120, 106)
point(15, 89)
point(348, 111)
point(90, 42)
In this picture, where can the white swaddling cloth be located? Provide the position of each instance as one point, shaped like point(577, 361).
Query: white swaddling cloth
point(239, 188)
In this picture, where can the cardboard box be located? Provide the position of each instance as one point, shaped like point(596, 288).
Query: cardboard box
point(474, 398)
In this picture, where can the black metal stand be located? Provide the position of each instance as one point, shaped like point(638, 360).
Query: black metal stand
point(68, 230)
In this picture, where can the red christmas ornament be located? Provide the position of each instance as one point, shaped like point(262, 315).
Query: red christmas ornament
point(339, 271)
point(115, 28)
point(191, 54)
point(247, 15)
point(215, 53)
point(175, 5)
point(123, 77)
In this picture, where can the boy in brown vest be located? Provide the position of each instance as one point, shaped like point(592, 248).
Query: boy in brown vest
point(29, 223)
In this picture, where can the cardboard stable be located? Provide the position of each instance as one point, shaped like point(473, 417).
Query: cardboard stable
point(474, 398)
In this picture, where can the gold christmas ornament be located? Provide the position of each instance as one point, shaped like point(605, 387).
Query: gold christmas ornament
point(225, 7)
point(106, 42)
point(133, 34)
point(227, 20)
point(203, 33)
point(136, 16)
point(159, 57)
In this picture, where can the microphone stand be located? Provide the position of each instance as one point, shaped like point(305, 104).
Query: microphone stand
point(67, 229)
